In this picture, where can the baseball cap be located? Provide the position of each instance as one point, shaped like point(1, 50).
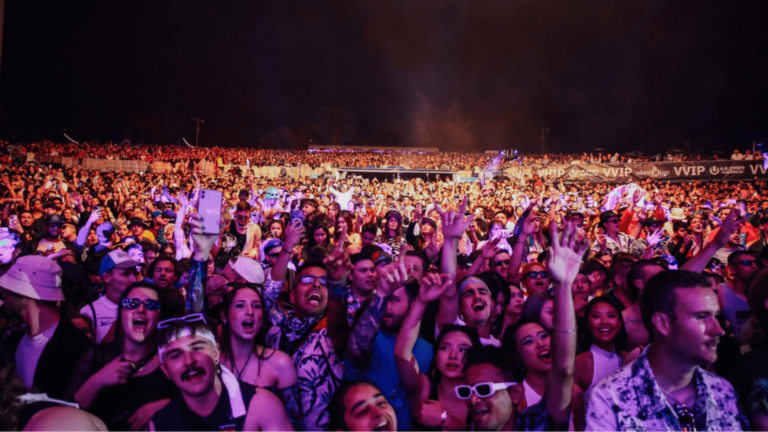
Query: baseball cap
point(118, 258)
point(34, 277)
point(156, 213)
point(54, 219)
point(381, 256)
point(604, 216)
point(269, 244)
point(248, 269)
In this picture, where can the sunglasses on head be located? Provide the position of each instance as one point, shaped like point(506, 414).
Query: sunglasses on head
point(483, 390)
point(186, 318)
point(537, 275)
point(308, 279)
point(499, 263)
point(134, 303)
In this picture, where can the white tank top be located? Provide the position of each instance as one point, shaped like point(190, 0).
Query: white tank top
point(604, 364)
point(531, 397)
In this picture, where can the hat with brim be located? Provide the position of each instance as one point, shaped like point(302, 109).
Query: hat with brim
point(137, 221)
point(34, 277)
point(677, 214)
point(248, 269)
point(309, 201)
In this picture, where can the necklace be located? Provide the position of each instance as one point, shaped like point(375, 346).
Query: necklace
point(239, 372)
point(138, 365)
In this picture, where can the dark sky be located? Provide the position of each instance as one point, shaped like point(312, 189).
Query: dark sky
point(638, 75)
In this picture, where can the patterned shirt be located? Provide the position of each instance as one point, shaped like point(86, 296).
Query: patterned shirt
point(631, 399)
point(353, 305)
point(612, 246)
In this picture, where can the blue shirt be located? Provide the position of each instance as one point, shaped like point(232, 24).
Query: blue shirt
point(382, 371)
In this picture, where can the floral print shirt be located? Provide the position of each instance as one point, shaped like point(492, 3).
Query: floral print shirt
point(631, 399)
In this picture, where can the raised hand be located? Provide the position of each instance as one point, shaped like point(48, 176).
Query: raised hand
point(115, 373)
point(453, 223)
point(183, 199)
point(294, 232)
point(565, 254)
point(433, 285)
point(731, 223)
point(337, 263)
point(491, 248)
point(527, 228)
point(655, 238)
point(95, 215)
point(393, 276)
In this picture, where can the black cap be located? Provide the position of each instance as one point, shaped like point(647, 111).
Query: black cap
point(54, 219)
point(137, 221)
point(604, 216)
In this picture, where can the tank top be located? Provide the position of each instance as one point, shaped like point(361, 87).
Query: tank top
point(604, 364)
point(531, 397)
point(229, 413)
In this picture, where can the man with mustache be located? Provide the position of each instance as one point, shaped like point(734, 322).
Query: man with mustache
point(210, 396)
point(666, 387)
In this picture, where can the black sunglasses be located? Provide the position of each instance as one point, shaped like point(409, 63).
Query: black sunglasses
point(685, 418)
point(747, 263)
point(499, 263)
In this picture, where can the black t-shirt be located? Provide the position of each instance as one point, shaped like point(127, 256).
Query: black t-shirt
point(240, 237)
point(177, 415)
point(750, 380)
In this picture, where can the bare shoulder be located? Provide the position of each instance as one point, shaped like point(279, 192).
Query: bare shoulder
point(64, 418)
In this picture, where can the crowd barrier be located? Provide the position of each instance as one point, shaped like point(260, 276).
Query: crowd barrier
point(577, 173)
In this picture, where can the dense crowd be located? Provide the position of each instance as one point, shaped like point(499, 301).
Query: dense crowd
point(353, 304)
point(190, 157)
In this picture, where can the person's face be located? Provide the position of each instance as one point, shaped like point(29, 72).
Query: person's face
point(475, 304)
point(496, 230)
point(694, 332)
point(307, 209)
point(320, 236)
point(697, 225)
point(310, 298)
point(547, 314)
point(451, 354)
point(580, 287)
point(245, 316)
point(516, 301)
point(397, 309)
point(68, 231)
point(415, 266)
point(368, 238)
point(276, 229)
point(136, 254)
point(744, 268)
point(118, 279)
point(139, 324)
point(427, 229)
point(150, 257)
point(164, 275)
point(341, 225)
point(612, 225)
point(270, 255)
point(26, 219)
point(190, 362)
point(500, 264)
point(7, 251)
point(493, 412)
point(67, 214)
point(366, 409)
point(137, 231)
point(364, 276)
point(535, 280)
point(52, 229)
point(603, 323)
point(392, 223)
point(242, 218)
point(533, 345)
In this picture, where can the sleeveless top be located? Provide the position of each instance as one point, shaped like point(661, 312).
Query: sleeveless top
point(531, 397)
point(604, 364)
point(229, 413)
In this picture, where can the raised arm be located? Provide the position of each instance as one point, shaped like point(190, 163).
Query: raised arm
point(182, 250)
point(518, 252)
point(83, 233)
point(699, 262)
point(565, 258)
point(294, 232)
point(414, 380)
point(390, 278)
point(203, 245)
point(454, 225)
point(338, 266)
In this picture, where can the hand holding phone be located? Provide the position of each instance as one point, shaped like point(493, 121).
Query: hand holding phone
point(209, 208)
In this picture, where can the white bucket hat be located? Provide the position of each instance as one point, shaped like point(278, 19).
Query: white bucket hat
point(35, 277)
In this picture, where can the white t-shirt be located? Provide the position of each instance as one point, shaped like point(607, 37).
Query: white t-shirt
point(459, 322)
point(106, 314)
point(28, 354)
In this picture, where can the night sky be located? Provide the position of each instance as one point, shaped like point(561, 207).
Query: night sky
point(452, 74)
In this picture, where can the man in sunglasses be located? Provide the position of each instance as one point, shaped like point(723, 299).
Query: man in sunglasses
point(244, 230)
point(611, 239)
point(118, 271)
point(742, 266)
point(666, 388)
point(210, 396)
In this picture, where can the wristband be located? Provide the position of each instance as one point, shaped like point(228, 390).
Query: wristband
point(337, 289)
point(563, 330)
point(287, 251)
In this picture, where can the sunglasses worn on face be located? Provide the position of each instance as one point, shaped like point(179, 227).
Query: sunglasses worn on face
point(134, 303)
point(612, 221)
point(186, 318)
point(747, 263)
point(307, 279)
point(537, 275)
point(499, 263)
point(483, 390)
point(273, 255)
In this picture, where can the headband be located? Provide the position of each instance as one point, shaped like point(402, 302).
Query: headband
point(203, 332)
point(469, 280)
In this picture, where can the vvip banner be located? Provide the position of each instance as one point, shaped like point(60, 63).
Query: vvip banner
point(705, 171)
